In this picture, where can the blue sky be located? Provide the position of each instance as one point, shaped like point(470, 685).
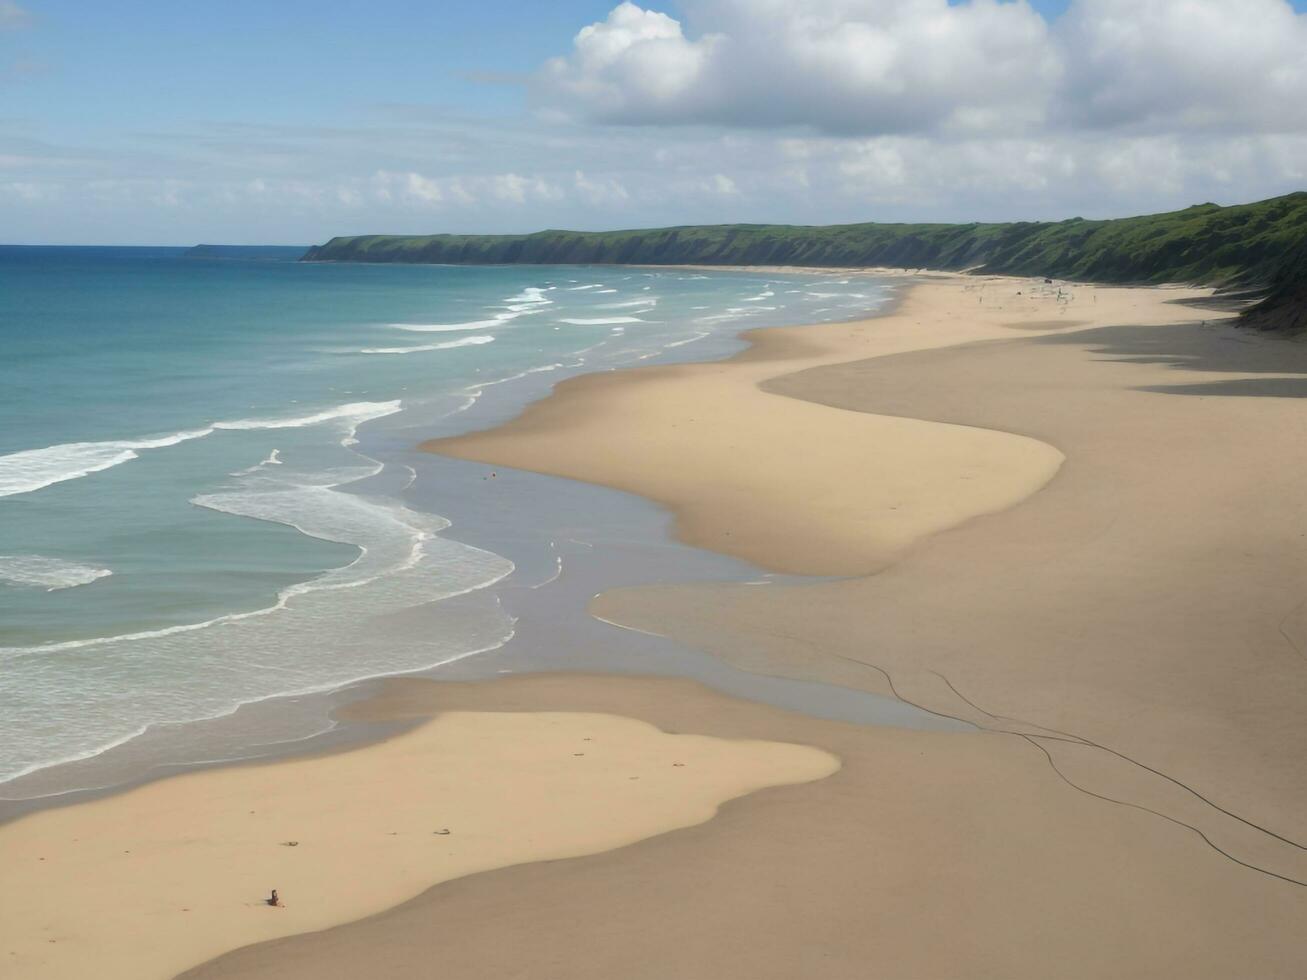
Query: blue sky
point(142, 121)
point(173, 63)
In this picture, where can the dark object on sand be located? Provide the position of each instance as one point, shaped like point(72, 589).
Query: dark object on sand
point(274, 899)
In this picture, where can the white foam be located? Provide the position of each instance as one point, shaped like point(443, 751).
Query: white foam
point(273, 459)
point(34, 469)
point(531, 296)
point(447, 345)
point(352, 414)
point(577, 289)
point(450, 327)
point(648, 302)
point(765, 294)
point(317, 635)
point(497, 320)
point(51, 574)
point(600, 321)
point(474, 391)
point(689, 340)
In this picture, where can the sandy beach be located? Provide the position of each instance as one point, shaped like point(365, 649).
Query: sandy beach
point(927, 855)
point(149, 882)
point(1068, 515)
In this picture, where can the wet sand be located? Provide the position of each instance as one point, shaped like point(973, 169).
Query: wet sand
point(1071, 516)
point(152, 881)
point(1127, 638)
point(928, 856)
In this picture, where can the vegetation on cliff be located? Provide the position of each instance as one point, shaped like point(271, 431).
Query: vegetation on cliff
point(1250, 245)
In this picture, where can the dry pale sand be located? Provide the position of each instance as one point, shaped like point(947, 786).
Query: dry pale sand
point(790, 485)
point(1140, 624)
point(156, 880)
point(928, 856)
point(1144, 616)
point(1085, 519)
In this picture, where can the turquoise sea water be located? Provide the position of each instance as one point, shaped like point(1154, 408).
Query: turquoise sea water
point(189, 517)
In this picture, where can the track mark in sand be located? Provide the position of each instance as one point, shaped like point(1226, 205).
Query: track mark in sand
point(1060, 736)
point(1284, 632)
point(1180, 823)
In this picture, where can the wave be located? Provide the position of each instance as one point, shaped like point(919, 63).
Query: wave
point(689, 340)
point(51, 574)
point(765, 294)
point(510, 313)
point(447, 345)
point(355, 412)
point(600, 321)
point(577, 289)
point(531, 296)
point(316, 636)
point(451, 327)
point(35, 469)
point(648, 301)
point(273, 459)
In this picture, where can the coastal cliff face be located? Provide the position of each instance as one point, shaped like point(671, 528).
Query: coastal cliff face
point(1285, 307)
point(1254, 245)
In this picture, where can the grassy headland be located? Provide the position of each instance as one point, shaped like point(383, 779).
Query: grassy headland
point(1262, 245)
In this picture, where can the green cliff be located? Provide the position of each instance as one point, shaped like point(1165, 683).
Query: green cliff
point(1262, 245)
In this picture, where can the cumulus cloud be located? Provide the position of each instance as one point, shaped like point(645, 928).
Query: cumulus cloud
point(820, 111)
point(1186, 64)
point(839, 65)
point(925, 66)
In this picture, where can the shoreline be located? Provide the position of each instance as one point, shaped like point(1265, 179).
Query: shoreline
point(1058, 855)
point(423, 806)
point(553, 436)
point(117, 768)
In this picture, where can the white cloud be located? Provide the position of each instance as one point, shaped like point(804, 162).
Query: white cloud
point(600, 192)
point(1186, 64)
point(925, 66)
point(637, 61)
point(459, 191)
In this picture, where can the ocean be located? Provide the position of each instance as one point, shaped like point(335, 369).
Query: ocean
point(196, 513)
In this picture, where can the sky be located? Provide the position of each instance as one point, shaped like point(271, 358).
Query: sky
point(138, 122)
